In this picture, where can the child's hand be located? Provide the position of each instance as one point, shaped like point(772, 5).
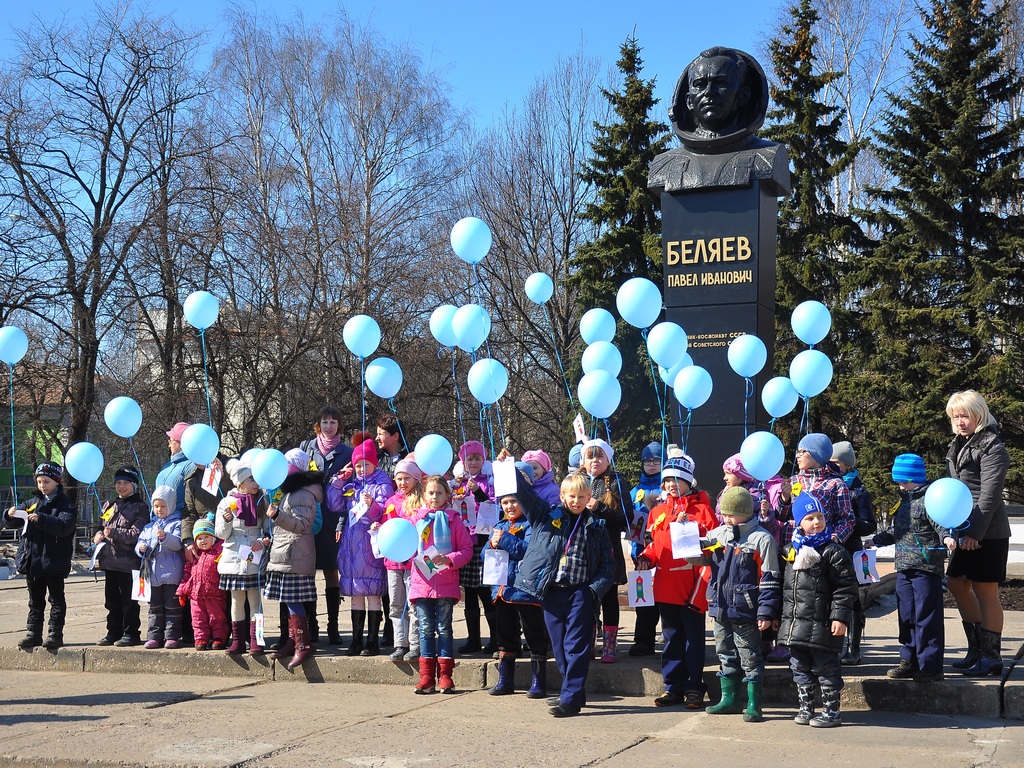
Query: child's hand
point(98, 537)
point(106, 505)
point(272, 512)
point(190, 553)
point(786, 486)
point(495, 538)
point(643, 564)
point(375, 527)
point(143, 549)
point(592, 504)
point(502, 455)
point(765, 624)
point(950, 543)
point(838, 629)
point(337, 537)
point(161, 534)
point(764, 507)
point(471, 484)
point(33, 517)
point(228, 517)
point(367, 499)
point(442, 560)
point(257, 546)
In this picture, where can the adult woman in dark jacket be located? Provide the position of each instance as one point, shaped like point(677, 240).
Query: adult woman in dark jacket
point(329, 454)
point(979, 459)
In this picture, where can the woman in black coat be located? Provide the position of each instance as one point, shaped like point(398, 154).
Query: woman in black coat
point(979, 459)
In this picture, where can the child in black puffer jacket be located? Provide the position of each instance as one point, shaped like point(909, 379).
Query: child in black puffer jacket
point(818, 604)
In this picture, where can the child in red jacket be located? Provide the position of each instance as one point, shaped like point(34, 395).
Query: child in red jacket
point(201, 585)
point(680, 589)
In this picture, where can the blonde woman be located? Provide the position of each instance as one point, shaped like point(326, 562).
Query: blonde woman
point(979, 459)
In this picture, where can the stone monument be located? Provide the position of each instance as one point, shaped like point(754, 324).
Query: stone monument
point(719, 204)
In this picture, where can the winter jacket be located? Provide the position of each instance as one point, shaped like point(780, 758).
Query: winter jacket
point(865, 523)
point(647, 491)
point(165, 560)
point(173, 474)
point(48, 544)
point(551, 528)
point(199, 501)
point(484, 490)
point(293, 549)
point(201, 579)
point(618, 520)
point(677, 581)
point(917, 537)
point(812, 598)
point(546, 487)
point(361, 572)
point(445, 583)
point(745, 577)
point(127, 519)
point(515, 539)
point(828, 487)
point(980, 462)
point(235, 535)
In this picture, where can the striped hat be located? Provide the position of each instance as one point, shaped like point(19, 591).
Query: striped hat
point(909, 468)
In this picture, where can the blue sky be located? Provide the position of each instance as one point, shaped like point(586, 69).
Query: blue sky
point(491, 52)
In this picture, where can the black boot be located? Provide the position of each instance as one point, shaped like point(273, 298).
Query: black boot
point(472, 629)
point(283, 636)
point(492, 643)
point(991, 661)
point(312, 625)
point(358, 621)
point(973, 632)
point(373, 619)
point(332, 596)
point(852, 656)
point(644, 633)
point(387, 633)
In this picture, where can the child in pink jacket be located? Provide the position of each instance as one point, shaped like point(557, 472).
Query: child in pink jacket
point(201, 585)
point(435, 596)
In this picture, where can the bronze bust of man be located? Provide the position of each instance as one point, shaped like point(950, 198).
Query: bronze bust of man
point(719, 103)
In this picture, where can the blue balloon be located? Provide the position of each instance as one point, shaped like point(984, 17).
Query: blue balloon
point(471, 239)
point(250, 456)
point(84, 462)
point(948, 502)
point(200, 444)
point(269, 468)
point(433, 454)
point(599, 393)
point(361, 335)
point(747, 355)
point(639, 302)
point(384, 377)
point(668, 375)
point(488, 380)
point(471, 325)
point(441, 325)
point(597, 325)
point(762, 454)
point(810, 372)
point(539, 288)
point(201, 309)
point(666, 344)
point(811, 321)
point(397, 539)
point(602, 356)
point(779, 396)
point(123, 416)
point(13, 344)
point(693, 386)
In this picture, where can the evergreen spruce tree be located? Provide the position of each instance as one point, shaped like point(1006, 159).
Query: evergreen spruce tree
point(627, 218)
point(814, 239)
point(943, 280)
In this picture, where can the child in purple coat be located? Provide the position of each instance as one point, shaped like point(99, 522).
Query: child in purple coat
point(363, 577)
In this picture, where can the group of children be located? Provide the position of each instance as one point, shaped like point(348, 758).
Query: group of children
point(772, 564)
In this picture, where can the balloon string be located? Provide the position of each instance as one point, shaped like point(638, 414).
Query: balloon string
point(14, 461)
point(662, 415)
point(458, 397)
point(665, 424)
point(771, 426)
point(558, 357)
point(99, 504)
point(686, 430)
point(497, 404)
point(206, 377)
point(401, 432)
point(138, 463)
point(746, 402)
point(362, 389)
point(486, 420)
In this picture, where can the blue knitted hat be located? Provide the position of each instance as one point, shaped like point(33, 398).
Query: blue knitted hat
point(651, 451)
point(803, 504)
point(909, 468)
point(818, 445)
point(575, 456)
